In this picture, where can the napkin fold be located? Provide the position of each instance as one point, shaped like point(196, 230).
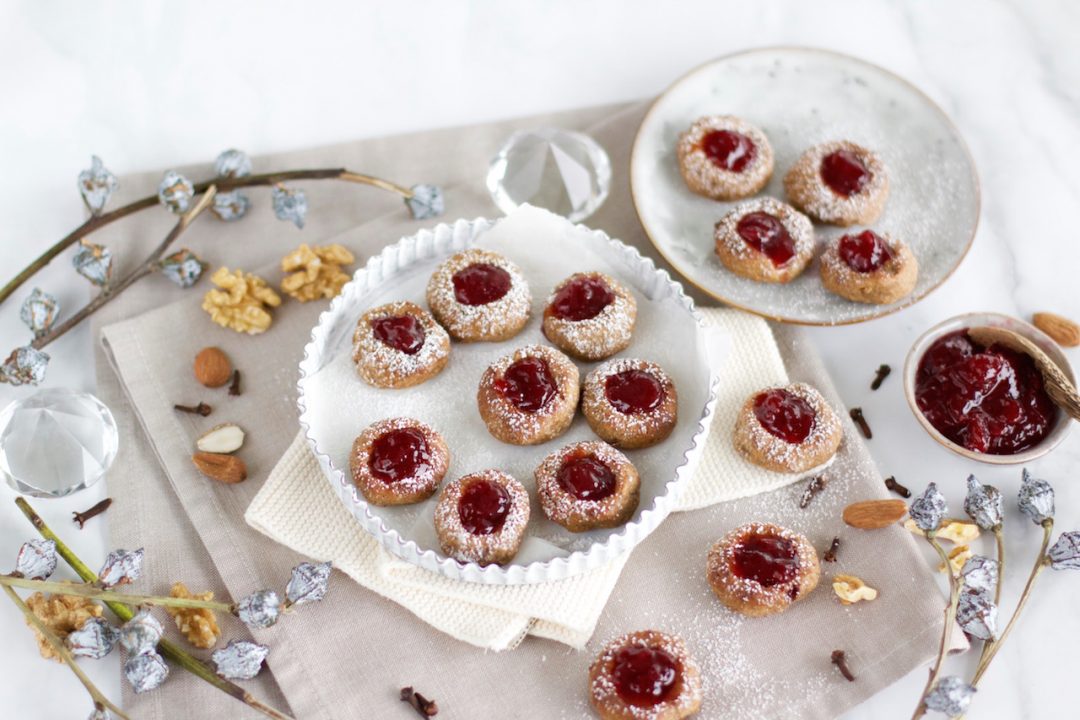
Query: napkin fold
point(297, 508)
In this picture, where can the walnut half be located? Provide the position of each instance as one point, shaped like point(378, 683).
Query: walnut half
point(63, 614)
point(241, 303)
point(198, 625)
point(851, 589)
point(315, 272)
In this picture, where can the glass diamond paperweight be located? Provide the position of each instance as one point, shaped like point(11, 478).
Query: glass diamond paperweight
point(56, 442)
point(563, 171)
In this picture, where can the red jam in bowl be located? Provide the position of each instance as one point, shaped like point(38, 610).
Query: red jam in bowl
point(399, 455)
point(403, 333)
point(728, 150)
point(767, 234)
point(586, 477)
point(784, 414)
point(987, 399)
point(844, 172)
point(583, 298)
point(483, 507)
point(528, 384)
point(645, 676)
point(766, 559)
point(633, 391)
point(480, 284)
point(865, 252)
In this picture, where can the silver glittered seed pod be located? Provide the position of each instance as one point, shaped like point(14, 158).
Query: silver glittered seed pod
point(1036, 499)
point(239, 660)
point(232, 164)
point(426, 201)
point(175, 192)
point(100, 714)
point(308, 583)
point(24, 366)
point(984, 504)
point(141, 633)
point(928, 509)
point(980, 573)
point(121, 567)
point(259, 609)
point(39, 311)
point(977, 614)
point(1065, 553)
point(146, 671)
point(182, 267)
point(95, 639)
point(36, 559)
point(93, 262)
point(290, 204)
point(951, 696)
point(230, 206)
point(96, 184)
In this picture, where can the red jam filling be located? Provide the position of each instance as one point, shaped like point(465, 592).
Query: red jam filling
point(844, 172)
point(483, 507)
point(784, 414)
point(399, 454)
point(480, 284)
point(766, 559)
point(645, 676)
point(583, 298)
point(528, 384)
point(767, 234)
point(987, 399)
point(729, 150)
point(865, 252)
point(633, 391)
point(403, 333)
point(586, 477)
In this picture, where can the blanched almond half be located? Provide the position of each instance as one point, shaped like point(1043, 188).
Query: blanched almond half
point(225, 438)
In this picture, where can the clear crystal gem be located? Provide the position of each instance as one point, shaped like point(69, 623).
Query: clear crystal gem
point(55, 442)
point(563, 171)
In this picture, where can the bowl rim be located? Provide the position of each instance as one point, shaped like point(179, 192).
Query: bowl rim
point(983, 319)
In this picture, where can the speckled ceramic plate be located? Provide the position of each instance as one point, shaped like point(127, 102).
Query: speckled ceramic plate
point(801, 97)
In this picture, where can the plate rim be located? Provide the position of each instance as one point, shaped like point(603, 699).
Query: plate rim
point(616, 544)
point(908, 301)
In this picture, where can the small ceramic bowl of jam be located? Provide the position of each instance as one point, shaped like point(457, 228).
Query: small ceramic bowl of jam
point(987, 403)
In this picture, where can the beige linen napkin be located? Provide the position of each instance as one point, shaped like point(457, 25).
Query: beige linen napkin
point(297, 508)
point(345, 657)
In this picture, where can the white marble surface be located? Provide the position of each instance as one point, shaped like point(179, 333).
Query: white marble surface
point(152, 84)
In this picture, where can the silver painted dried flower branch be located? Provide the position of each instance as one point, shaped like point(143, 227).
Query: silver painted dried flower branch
point(177, 194)
point(145, 667)
point(975, 592)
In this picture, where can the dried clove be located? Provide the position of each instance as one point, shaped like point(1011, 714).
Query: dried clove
point(97, 509)
point(891, 484)
point(879, 377)
point(830, 554)
point(860, 421)
point(839, 659)
point(200, 409)
point(234, 386)
point(419, 703)
point(816, 485)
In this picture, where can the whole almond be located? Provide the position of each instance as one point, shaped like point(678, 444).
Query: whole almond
point(212, 367)
point(874, 514)
point(1062, 330)
point(223, 468)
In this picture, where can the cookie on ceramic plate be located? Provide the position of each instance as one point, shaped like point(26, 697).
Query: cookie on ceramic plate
point(723, 157)
point(481, 517)
point(839, 182)
point(869, 268)
point(398, 461)
point(765, 240)
point(630, 403)
point(587, 486)
point(529, 396)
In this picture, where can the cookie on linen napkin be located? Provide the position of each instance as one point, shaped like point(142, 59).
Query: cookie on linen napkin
point(298, 508)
